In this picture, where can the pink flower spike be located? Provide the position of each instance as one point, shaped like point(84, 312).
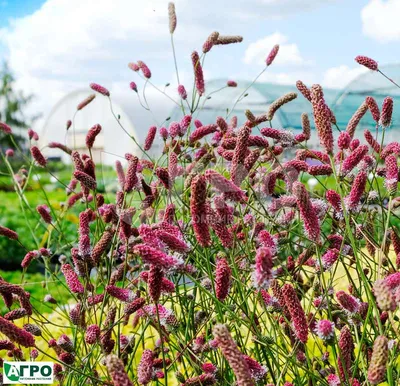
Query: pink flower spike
point(123, 294)
point(307, 212)
point(387, 110)
point(348, 302)
point(10, 153)
point(5, 128)
point(271, 56)
point(392, 173)
point(222, 279)
point(367, 62)
point(72, 280)
point(325, 329)
point(38, 156)
point(91, 135)
point(10, 234)
point(296, 311)
point(182, 91)
point(263, 273)
point(100, 89)
point(151, 134)
point(198, 73)
point(45, 213)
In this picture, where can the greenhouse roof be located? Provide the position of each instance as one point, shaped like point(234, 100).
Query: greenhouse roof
point(260, 95)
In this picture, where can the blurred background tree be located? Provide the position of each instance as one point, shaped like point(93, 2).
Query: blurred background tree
point(13, 106)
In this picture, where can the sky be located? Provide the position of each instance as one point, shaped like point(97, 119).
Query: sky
point(56, 46)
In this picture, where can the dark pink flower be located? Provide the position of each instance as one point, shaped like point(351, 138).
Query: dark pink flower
point(16, 334)
point(231, 83)
point(38, 156)
point(10, 153)
point(202, 131)
point(346, 348)
point(131, 178)
point(100, 89)
point(333, 380)
point(223, 275)
point(145, 368)
point(373, 108)
point(72, 280)
point(85, 179)
point(328, 259)
point(320, 170)
point(133, 86)
point(344, 140)
point(28, 258)
point(92, 334)
point(230, 190)
point(367, 62)
point(357, 190)
point(198, 210)
point(145, 70)
point(57, 145)
point(307, 212)
point(263, 273)
point(356, 118)
point(296, 312)
point(115, 367)
point(151, 255)
point(154, 282)
point(6, 232)
point(182, 91)
point(238, 170)
point(232, 354)
point(322, 118)
point(124, 294)
point(392, 173)
point(163, 133)
point(151, 134)
point(257, 371)
point(136, 305)
point(372, 141)
point(325, 329)
point(387, 111)
point(45, 213)
point(353, 159)
point(133, 66)
point(91, 135)
point(304, 90)
point(271, 56)
point(348, 302)
point(163, 176)
point(198, 73)
point(173, 242)
point(5, 128)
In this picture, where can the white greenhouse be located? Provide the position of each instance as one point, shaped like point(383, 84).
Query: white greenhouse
point(111, 144)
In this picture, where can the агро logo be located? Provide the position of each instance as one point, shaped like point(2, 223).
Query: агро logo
point(28, 372)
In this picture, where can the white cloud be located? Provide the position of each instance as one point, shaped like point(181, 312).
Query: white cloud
point(380, 20)
point(66, 44)
point(289, 53)
point(339, 77)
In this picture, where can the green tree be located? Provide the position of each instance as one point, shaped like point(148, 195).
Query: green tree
point(13, 104)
